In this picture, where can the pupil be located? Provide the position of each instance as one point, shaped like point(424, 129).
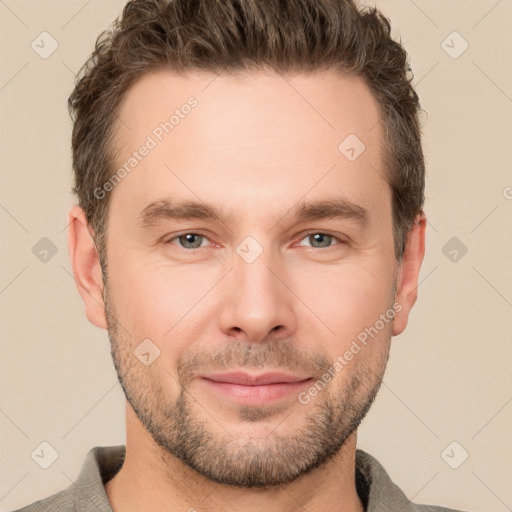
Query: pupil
point(322, 239)
point(189, 240)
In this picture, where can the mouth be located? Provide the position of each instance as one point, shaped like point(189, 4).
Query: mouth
point(255, 389)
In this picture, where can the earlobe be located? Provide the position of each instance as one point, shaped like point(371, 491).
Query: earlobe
point(408, 273)
point(86, 266)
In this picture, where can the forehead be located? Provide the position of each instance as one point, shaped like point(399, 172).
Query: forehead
point(267, 137)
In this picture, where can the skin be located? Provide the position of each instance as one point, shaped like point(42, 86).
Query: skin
point(254, 147)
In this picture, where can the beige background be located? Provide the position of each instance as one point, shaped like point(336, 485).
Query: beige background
point(449, 376)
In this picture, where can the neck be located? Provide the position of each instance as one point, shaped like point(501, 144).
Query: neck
point(151, 479)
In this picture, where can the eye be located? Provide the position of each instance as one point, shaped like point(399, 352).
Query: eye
point(189, 240)
point(317, 240)
point(321, 240)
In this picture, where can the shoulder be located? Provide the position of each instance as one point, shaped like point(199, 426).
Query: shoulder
point(60, 502)
point(380, 493)
point(433, 508)
point(87, 492)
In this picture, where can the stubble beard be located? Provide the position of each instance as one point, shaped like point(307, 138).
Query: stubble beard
point(185, 431)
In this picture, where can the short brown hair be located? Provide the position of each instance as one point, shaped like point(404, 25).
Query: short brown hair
point(231, 36)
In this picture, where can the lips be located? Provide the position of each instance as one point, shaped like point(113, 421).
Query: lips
point(254, 389)
point(246, 379)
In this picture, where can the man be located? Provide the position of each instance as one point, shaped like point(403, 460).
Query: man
point(250, 231)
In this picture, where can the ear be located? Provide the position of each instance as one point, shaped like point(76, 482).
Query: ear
point(408, 272)
point(86, 266)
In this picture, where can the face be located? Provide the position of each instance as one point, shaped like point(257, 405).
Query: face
point(254, 262)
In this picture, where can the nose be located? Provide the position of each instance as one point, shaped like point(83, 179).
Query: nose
point(256, 302)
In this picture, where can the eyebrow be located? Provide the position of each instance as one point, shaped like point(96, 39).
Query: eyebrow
point(167, 209)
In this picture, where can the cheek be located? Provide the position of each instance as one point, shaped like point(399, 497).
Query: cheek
point(151, 299)
point(347, 298)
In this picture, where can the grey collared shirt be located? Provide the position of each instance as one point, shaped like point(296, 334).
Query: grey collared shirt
point(87, 494)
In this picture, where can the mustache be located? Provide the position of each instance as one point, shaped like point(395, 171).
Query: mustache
point(274, 354)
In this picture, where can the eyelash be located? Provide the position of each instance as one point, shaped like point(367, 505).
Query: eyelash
point(304, 235)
